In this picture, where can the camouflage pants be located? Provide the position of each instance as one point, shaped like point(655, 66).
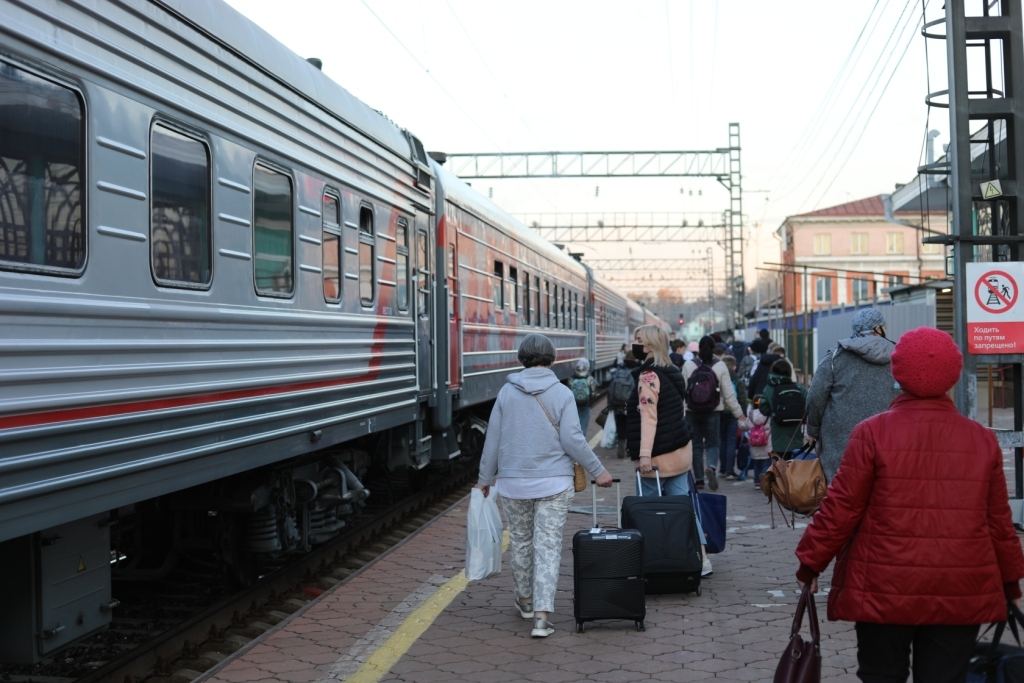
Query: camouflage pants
point(535, 545)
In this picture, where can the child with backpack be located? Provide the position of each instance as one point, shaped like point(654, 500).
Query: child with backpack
point(785, 402)
point(759, 440)
point(583, 389)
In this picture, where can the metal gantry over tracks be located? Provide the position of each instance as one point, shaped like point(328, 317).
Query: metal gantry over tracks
point(723, 164)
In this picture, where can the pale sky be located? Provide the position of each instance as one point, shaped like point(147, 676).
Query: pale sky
point(643, 75)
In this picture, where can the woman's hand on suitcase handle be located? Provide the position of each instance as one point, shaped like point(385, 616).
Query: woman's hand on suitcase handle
point(645, 464)
point(604, 479)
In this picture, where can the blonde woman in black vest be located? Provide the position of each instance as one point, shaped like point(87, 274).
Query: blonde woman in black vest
point(656, 433)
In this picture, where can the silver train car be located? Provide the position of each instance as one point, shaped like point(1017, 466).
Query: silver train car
point(230, 294)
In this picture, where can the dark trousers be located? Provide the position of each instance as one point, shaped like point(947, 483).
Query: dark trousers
point(727, 442)
point(704, 430)
point(941, 653)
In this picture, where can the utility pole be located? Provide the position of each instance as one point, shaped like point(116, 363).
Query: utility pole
point(998, 32)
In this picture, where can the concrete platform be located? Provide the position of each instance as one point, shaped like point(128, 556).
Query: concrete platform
point(411, 616)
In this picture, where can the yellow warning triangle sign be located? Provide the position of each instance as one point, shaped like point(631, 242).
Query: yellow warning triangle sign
point(992, 190)
point(81, 563)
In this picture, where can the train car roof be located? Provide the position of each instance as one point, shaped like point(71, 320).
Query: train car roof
point(265, 53)
point(465, 196)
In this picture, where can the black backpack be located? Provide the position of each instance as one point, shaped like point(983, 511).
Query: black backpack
point(788, 404)
point(702, 390)
point(620, 388)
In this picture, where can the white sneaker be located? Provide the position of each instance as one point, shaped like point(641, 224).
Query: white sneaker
point(706, 570)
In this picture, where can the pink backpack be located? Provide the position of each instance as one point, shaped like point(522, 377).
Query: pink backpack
point(758, 436)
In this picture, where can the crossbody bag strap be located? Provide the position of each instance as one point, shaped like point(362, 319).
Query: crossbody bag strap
point(547, 414)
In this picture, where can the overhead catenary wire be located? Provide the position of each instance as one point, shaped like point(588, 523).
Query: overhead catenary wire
point(872, 80)
point(497, 84)
point(824, 109)
point(853, 148)
point(432, 77)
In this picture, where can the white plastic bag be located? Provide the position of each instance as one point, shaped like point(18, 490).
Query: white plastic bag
point(483, 536)
point(611, 437)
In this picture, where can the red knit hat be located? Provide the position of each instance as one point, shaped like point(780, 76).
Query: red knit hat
point(926, 362)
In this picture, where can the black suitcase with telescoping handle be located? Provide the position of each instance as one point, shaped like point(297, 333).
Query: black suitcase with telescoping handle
point(672, 553)
point(608, 572)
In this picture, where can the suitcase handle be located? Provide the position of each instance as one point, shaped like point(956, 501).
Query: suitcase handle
point(657, 478)
point(618, 504)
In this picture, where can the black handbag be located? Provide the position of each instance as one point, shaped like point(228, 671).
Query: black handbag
point(602, 417)
point(997, 662)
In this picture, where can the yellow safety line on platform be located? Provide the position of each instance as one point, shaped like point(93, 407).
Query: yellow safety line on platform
point(597, 438)
point(415, 625)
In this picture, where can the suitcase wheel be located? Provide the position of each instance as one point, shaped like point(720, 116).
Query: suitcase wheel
point(698, 591)
point(640, 626)
point(580, 627)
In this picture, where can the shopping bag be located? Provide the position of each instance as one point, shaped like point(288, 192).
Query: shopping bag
point(611, 437)
point(483, 536)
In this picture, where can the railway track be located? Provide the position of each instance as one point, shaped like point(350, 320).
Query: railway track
point(183, 627)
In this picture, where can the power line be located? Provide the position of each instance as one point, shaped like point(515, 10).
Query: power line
point(873, 82)
point(827, 102)
point(497, 84)
point(867, 122)
point(432, 77)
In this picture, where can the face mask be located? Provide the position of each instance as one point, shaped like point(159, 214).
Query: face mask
point(638, 352)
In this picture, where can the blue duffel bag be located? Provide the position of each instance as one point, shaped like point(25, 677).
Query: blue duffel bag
point(996, 662)
point(710, 509)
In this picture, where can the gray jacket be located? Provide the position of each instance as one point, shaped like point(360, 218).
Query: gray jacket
point(852, 383)
point(522, 442)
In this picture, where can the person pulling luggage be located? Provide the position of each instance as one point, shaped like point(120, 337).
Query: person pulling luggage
point(533, 437)
point(657, 434)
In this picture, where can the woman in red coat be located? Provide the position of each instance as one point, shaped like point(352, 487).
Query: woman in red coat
point(919, 519)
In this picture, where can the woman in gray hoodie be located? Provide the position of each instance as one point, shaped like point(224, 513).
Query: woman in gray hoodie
point(853, 383)
point(533, 437)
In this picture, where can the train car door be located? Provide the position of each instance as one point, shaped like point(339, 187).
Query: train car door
point(454, 307)
point(424, 301)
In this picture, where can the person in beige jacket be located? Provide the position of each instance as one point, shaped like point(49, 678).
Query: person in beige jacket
point(705, 424)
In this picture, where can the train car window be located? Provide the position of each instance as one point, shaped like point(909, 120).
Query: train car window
point(498, 284)
point(366, 249)
point(402, 266)
point(273, 232)
point(526, 298)
point(562, 309)
point(547, 304)
point(536, 288)
point(332, 247)
point(42, 160)
point(513, 284)
point(179, 227)
point(423, 282)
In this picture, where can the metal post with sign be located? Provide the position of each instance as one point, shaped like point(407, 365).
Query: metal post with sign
point(986, 176)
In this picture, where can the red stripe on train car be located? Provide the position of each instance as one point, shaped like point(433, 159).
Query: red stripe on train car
point(54, 416)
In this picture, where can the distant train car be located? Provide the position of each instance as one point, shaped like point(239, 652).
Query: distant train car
point(232, 294)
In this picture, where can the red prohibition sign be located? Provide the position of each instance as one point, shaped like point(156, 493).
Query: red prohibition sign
point(990, 291)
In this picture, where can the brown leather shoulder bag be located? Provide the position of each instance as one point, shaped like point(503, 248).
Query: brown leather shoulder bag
point(801, 661)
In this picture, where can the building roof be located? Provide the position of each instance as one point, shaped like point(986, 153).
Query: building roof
point(869, 206)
